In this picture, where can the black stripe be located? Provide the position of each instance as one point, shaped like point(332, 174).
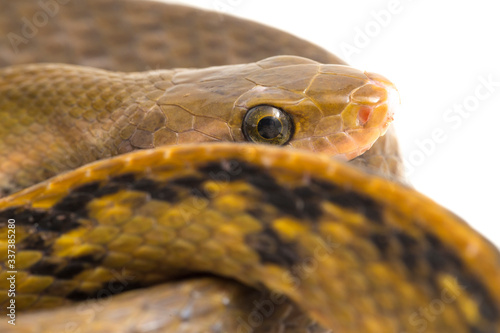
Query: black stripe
point(272, 249)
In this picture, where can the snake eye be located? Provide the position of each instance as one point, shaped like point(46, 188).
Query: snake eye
point(267, 124)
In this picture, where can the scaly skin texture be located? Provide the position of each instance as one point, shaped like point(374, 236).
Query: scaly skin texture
point(136, 36)
point(129, 35)
point(357, 252)
point(87, 114)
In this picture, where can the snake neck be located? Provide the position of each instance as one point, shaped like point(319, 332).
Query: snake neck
point(58, 117)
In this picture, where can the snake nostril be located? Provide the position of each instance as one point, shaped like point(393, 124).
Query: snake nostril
point(364, 114)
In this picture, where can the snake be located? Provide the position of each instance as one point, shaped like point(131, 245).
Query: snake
point(169, 169)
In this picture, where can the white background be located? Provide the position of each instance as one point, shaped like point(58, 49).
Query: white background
point(436, 53)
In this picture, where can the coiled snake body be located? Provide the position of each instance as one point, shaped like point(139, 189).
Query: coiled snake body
point(239, 237)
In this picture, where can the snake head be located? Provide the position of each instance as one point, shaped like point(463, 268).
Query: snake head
point(332, 109)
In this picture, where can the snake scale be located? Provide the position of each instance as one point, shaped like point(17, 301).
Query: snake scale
point(201, 217)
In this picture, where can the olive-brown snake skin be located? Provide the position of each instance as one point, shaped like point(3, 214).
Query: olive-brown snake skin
point(233, 236)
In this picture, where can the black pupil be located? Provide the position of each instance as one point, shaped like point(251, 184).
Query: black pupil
point(269, 127)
